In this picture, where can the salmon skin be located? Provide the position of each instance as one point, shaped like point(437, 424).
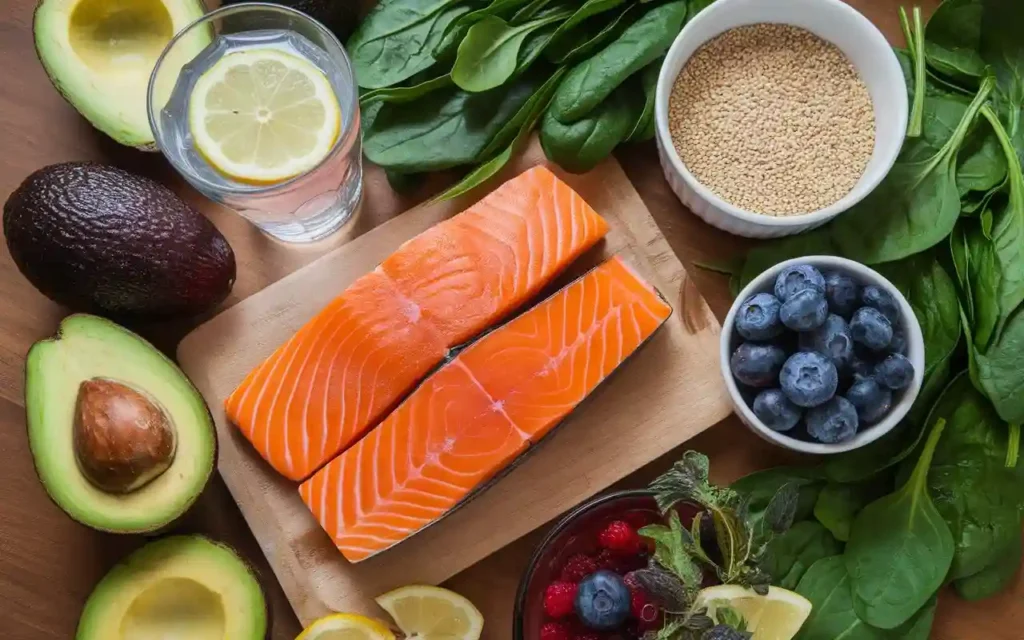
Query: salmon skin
point(482, 410)
point(342, 372)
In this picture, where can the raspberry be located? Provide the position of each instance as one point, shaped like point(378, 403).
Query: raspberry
point(554, 631)
point(641, 607)
point(578, 567)
point(620, 537)
point(560, 599)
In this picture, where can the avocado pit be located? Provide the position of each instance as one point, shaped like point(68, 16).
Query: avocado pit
point(122, 439)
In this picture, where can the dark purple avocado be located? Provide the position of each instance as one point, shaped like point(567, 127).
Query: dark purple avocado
point(96, 238)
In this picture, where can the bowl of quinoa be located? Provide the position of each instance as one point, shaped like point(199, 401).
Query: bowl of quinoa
point(775, 116)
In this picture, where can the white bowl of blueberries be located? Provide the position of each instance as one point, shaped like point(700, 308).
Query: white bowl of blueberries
point(822, 355)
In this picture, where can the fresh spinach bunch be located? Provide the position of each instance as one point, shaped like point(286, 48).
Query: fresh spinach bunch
point(463, 83)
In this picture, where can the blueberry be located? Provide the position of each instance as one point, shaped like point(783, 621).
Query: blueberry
point(724, 632)
point(895, 372)
point(775, 410)
point(876, 297)
point(806, 310)
point(871, 400)
point(862, 367)
point(833, 422)
point(758, 317)
point(842, 293)
point(809, 378)
point(757, 365)
point(832, 339)
point(602, 601)
point(898, 344)
point(870, 328)
point(796, 278)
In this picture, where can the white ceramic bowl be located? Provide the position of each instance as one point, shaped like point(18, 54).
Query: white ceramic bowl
point(902, 400)
point(832, 20)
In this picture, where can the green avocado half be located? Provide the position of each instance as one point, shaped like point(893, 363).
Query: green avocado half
point(178, 587)
point(121, 439)
point(100, 53)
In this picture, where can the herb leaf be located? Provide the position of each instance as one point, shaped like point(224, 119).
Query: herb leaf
point(687, 481)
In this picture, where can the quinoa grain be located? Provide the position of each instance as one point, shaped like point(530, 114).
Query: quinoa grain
point(773, 119)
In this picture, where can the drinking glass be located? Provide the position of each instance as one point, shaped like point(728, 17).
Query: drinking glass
point(305, 208)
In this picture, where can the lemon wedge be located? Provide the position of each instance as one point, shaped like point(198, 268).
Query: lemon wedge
point(344, 626)
point(432, 613)
point(263, 116)
point(776, 616)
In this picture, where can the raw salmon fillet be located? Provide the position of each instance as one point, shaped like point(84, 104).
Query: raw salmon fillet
point(483, 409)
point(343, 371)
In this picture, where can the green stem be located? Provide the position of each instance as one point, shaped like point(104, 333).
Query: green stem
point(1012, 159)
point(956, 139)
point(919, 478)
point(908, 35)
point(914, 35)
point(1013, 446)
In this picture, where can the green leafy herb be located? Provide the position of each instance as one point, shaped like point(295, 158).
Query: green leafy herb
point(672, 551)
point(953, 39)
point(995, 577)
point(665, 588)
point(900, 549)
point(591, 82)
point(644, 127)
point(587, 38)
point(582, 145)
point(405, 94)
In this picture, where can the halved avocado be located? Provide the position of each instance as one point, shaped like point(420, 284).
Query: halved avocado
point(177, 587)
point(100, 54)
point(121, 439)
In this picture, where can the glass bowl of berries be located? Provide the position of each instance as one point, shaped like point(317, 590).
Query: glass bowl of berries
point(579, 586)
point(822, 355)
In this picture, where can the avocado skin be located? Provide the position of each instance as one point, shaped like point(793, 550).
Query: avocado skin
point(95, 238)
point(340, 16)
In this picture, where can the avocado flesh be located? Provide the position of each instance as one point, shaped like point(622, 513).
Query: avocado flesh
point(91, 347)
point(185, 587)
point(100, 54)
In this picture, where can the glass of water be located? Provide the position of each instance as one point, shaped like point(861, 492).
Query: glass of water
point(305, 207)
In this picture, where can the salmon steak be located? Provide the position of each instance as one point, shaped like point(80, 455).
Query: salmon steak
point(352, 363)
point(481, 410)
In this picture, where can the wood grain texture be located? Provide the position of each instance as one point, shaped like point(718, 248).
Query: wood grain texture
point(626, 423)
point(48, 563)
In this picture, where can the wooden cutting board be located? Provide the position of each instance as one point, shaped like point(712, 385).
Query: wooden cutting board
point(664, 395)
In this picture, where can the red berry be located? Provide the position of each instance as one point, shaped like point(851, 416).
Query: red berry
point(554, 631)
point(620, 537)
point(587, 635)
point(578, 567)
point(560, 599)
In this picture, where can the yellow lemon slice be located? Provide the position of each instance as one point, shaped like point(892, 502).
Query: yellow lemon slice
point(432, 613)
point(776, 616)
point(263, 116)
point(343, 626)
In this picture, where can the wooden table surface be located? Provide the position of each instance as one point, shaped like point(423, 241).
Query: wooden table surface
point(48, 564)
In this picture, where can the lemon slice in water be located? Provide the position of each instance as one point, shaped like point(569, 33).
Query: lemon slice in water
point(432, 613)
point(776, 616)
point(263, 116)
point(342, 626)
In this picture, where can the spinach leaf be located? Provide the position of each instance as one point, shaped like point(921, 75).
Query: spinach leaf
point(696, 6)
point(587, 10)
point(999, 374)
point(790, 554)
point(525, 120)
point(529, 11)
point(900, 549)
point(978, 496)
point(758, 489)
point(914, 208)
point(457, 30)
point(953, 40)
point(585, 39)
point(404, 94)
point(397, 39)
point(838, 504)
point(444, 129)
point(981, 163)
point(489, 54)
point(994, 578)
point(833, 617)
point(592, 81)
point(644, 127)
point(1003, 50)
point(580, 146)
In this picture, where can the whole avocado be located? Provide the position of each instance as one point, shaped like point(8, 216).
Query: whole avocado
point(95, 238)
point(340, 16)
